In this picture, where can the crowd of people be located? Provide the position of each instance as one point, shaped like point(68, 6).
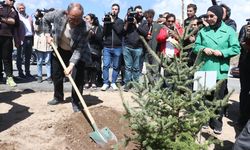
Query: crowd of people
point(90, 49)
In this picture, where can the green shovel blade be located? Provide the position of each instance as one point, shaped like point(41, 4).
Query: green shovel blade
point(102, 136)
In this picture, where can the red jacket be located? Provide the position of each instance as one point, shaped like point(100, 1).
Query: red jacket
point(163, 36)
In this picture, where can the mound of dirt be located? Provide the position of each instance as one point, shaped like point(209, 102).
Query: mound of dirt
point(76, 129)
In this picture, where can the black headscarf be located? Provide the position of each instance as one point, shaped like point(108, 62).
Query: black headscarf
point(218, 11)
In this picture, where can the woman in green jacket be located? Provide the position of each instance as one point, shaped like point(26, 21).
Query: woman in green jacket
point(218, 43)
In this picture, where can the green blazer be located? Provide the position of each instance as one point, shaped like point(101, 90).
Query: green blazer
point(223, 39)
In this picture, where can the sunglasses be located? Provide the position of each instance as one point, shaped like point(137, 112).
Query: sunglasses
point(12, 0)
point(170, 21)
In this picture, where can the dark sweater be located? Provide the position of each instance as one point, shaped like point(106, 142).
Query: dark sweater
point(132, 34)
point(112, 33)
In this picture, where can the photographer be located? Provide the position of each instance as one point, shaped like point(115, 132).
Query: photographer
point(244, 65)
point(112, 32)
point(7, 22)
point(133, 46)
point(43, 49)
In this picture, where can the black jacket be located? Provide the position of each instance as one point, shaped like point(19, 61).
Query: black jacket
point(112, 33)
point(231, 23)
point(95, 40)
point(132, 34)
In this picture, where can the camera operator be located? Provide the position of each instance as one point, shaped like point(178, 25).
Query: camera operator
point(133, 46)
point(43, 49)
point(112, 32)
point(7, 25)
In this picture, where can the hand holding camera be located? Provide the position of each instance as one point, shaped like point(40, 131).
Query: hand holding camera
point(108, 18)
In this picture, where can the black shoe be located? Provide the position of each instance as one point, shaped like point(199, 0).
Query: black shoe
point(21, 75)
point(2, 80)
point(28, 75)
point(76, 108)
point(39, 79)
point(49, 80)
point(126, 88)
point(54, 102)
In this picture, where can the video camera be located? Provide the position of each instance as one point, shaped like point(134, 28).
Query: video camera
point(131, 15)
point(40, 13)
point(107, 17)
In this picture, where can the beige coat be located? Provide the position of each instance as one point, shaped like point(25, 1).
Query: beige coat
point(40, 42)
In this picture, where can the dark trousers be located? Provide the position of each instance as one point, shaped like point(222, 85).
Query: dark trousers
point(243, 140)
point(6, 49)
point(1, 67)
point(79, 80)
point(58, 73)
point(245, 89)
point(91, 71)
point(24, 50)
point(216, 123)
point(154, 70)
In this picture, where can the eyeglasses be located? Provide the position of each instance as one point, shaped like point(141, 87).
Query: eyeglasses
point(170, 21)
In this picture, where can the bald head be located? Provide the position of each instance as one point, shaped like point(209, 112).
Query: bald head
point(75, 13)
point(76, 7)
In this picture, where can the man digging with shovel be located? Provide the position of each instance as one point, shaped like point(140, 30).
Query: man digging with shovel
point(71, 37)
point(71, 40)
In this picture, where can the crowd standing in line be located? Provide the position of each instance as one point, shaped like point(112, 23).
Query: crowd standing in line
point(89, 49)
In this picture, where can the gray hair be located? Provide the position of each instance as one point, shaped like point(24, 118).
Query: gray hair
point(75, 5)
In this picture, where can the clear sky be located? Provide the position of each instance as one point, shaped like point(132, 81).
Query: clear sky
point(240, 8)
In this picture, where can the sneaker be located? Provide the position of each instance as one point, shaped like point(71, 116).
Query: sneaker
point(113, 85)
point(93, 86)
point(217, 131)
point(39, 79)
point(104, 87)
point(49, 80)
point(10, 81)
point(86, 86)
point(54, 102)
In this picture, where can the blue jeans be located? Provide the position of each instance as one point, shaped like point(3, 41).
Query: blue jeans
point(46, 57)
point(132, 63)
point(111, 56)
point(24, 50)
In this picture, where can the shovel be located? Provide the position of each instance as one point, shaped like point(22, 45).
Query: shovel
point(102, 136)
